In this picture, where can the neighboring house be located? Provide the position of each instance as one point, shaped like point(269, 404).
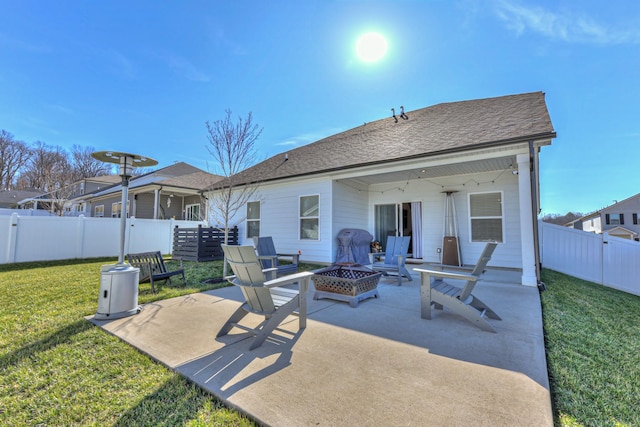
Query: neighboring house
point(391, 177)
point(619, 219)
point(590, 222)
point(77, 190)
point(170, 192)
point(10, 199)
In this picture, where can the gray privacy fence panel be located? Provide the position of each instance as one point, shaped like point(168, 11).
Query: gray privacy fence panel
point(201, 243)
point(599, 258)
point(38, 238)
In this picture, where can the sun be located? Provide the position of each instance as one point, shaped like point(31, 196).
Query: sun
point(371, 47)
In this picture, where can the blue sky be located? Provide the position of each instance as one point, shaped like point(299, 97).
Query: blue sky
point(144, 76)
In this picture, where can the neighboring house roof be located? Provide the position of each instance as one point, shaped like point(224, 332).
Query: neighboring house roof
point(10, 198)
point(198, 180)
point(439, 129)
point(621, 230)
point(583, 218)
point(179, 175)
point(108, 179)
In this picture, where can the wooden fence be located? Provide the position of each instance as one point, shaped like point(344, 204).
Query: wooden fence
point(201, 243)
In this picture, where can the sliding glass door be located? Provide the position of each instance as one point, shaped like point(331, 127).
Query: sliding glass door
point(400, 219)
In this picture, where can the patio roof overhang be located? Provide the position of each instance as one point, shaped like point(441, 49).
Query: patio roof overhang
point(453, 164)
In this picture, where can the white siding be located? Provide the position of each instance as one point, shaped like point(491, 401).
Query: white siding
point(279, 218)
point(345, 205)
point(350, 210)
point(430, 193)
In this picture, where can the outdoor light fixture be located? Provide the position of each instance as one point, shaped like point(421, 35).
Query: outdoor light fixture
point(119, 282)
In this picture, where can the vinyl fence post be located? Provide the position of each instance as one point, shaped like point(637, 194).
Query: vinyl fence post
point(80, 236)
point(172, 224)
point(13, 238)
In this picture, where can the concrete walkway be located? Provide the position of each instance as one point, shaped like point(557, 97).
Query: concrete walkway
point(378, 364)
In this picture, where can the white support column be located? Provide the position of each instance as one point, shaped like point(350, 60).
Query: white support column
point(156, 202)
point(526, 222)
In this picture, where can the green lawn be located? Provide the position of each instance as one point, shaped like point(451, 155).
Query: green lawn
point(58, 369)
point(592, 338)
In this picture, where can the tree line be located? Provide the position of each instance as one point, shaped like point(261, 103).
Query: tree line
point(43, 167)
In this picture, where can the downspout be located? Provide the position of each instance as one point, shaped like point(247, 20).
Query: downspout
point(535, 208)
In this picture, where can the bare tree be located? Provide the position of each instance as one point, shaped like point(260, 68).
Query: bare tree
point(85, 166)
point(50, 170)
point(232, 146)
point(14, 156)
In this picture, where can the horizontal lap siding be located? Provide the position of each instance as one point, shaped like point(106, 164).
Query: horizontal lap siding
point(430, 193)
point(279, 218)
point(350, 210)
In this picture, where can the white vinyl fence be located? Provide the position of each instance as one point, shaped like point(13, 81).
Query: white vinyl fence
point(599, 258)
point(39, 238)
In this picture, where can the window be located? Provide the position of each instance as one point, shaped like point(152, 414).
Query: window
point(253, 219)
point(614, 219)
point(192, 212)
point(309, 217)
point(486, 217)
point(80, 207)
point(98, 211)
point(116, 209)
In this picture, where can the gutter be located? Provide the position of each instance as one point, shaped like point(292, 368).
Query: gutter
point(535, 209)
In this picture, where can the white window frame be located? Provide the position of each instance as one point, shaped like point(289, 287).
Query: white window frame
point(98, 211)
point(302, 218)
point(253, 220)
point(117, 212)
point(501, 217)
point(188, 212)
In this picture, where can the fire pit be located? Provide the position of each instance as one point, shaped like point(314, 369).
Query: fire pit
point(346, 283)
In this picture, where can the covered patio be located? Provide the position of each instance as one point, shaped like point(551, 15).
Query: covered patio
point(377, 364)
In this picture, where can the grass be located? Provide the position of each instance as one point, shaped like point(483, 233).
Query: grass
point(58, 369)
point(592, 338)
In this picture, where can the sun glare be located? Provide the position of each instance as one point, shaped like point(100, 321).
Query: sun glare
point(371, 47)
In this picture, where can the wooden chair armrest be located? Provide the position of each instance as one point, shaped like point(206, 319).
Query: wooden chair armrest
point(291, 278)
point(446, 275)
point(294, 257)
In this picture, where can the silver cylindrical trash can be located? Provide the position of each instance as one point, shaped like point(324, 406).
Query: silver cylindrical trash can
point(118, 291)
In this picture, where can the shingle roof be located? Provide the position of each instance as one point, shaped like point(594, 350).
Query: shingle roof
point(199, 180)
point(447, 127)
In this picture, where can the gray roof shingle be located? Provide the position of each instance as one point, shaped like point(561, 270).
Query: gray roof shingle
point(442, 128)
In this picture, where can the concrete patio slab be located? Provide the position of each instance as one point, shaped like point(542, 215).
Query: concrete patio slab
point(376, 364)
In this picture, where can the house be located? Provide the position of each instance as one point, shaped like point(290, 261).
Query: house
point(619, 219)
point(392, 176)
point(170, 192)
point(590, 223)
point(58, 199)
point(9, 199)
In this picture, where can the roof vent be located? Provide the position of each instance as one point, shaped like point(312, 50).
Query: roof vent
point(393, 110)
point(402, 114)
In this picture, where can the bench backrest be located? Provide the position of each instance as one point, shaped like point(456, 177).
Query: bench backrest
point(146, 260)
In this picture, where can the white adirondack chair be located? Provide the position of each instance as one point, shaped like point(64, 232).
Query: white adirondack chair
point(263, 296)
point(434, 290)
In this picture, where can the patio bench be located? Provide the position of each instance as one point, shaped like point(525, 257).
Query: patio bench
point(152, 268)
